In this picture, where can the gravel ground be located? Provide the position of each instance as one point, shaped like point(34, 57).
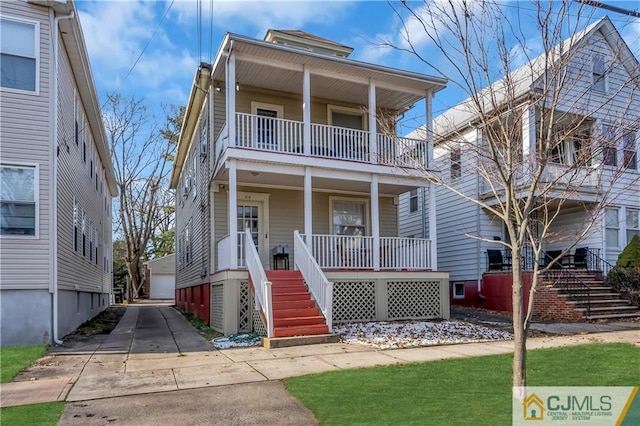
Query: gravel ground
point(393, 335)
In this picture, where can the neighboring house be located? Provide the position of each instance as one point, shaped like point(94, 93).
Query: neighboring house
point(56, 177)
point(280, 166)
point(610, 105)
point(160, 277)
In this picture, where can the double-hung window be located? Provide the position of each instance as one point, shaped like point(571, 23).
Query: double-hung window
point(19, 54)
point(413, 201)
point(599, 73)
point(629, 153)
point(612, 227)
point(18, 200)
point(349, 217)
point(610, 146)
point(632, 223)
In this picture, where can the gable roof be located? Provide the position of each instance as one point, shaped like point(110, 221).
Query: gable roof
point(522, 81)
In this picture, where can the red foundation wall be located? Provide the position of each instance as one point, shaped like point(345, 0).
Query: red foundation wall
point(195, 300)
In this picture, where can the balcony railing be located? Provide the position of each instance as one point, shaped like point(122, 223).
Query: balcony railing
point(287, 136)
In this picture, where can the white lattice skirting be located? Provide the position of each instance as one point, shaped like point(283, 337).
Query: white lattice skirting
point(383, 300)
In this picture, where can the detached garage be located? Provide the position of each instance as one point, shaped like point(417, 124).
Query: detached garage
point(160, 277)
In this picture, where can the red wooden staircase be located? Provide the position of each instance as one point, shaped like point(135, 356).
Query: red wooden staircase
point(294, 311)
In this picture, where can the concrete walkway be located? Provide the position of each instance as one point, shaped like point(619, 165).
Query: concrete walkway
point(156, 355)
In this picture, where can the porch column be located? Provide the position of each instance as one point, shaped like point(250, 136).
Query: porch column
point(308, 208)
point(231, 98)
point(306, 111)
point(373, 138)
point(529, 134)
point(427, 158)
point(375, 222)
point(233, 215)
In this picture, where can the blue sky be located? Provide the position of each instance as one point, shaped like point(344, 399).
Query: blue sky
point(116, 32)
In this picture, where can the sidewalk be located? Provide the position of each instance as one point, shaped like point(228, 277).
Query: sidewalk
point(154, 349)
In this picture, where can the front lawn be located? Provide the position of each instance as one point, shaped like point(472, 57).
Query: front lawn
point(14, 359)
point(35, 414)
point(457, 391)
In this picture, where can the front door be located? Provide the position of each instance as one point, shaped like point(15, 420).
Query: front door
point(250, 215)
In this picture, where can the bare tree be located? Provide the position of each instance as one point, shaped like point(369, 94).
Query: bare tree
point(533, 118)
point(141, 160)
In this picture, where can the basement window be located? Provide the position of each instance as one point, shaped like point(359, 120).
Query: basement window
point(458, 290)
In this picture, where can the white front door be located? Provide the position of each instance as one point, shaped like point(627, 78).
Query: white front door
point(251, 215)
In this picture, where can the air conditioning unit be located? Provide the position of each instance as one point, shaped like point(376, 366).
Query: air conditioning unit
point(185, 191)
point(203, 149)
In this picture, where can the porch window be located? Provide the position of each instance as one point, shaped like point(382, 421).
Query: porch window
point(18, 200)
point(612, 228)
point(349, 217)
point(610, 146)
point(413, 201)
point(629, 150)
point(599, 73)
point(19, 54)
point(572, 149)
point(633, 223)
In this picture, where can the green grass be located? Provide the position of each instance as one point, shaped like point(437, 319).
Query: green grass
point(36, 414)
point(458, 391)
point(14, 359)
point(206, 331)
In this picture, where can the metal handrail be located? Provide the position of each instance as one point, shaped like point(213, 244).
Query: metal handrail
point(566, 280)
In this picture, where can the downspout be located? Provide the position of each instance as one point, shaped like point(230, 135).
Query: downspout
point(478, 213)
point(53, 178)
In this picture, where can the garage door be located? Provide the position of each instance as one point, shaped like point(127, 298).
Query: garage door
point(163, 286)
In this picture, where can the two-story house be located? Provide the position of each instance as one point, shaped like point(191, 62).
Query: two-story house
point(598, 105)
point(287, 191)
point(56, 177)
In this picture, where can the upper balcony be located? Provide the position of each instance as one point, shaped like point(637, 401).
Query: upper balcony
point(280, 135)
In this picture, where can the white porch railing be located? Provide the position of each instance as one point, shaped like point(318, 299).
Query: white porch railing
point(356, 252)
point(319, 286)
point(405, 253)
point(281, 135)
point(577, 177)
point(224, 246)
point(261, 285)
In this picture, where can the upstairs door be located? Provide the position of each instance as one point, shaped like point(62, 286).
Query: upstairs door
point(266, 130)
point(347, 140)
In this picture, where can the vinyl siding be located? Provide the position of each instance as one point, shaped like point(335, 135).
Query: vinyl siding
point(25, 135)
point(76, 181)
point(192, 212)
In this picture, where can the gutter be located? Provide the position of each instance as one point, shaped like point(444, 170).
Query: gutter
point(53, 177)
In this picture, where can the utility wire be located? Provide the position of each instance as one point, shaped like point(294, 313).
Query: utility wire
point(210, 31)
point(148, 42)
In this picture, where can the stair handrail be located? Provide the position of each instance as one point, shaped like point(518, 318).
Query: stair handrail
point(260, 282)
point(320, 287)
point(566, 280)
point(620, 280)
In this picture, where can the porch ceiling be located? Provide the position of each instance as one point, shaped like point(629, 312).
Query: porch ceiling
point(277, 67)
point(282, 180)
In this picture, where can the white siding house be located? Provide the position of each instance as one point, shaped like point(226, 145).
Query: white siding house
point(606, 101)
point(57, 179)
point(279, 150)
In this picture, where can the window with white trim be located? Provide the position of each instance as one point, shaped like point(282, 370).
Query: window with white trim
point(612, 228)
point(632, 223)
point(458, 290)
point(349, 217)
point(629, 153)
point(84, 233)
point(18, 200)
point(19, 54)
point(599, 73)
point(456, 163)
point(75, 225)
point(413, 201)
point(610, 146)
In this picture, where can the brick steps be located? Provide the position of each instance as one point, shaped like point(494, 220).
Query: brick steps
point(294, 311)
point(605, 302)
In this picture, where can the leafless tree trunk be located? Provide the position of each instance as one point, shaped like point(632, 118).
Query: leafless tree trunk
point(484, 50)
point(141, 160)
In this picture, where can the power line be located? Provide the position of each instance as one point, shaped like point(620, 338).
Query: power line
point(150, 40)
point(634, 13)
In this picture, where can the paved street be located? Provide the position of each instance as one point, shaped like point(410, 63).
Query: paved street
point(155, 367)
